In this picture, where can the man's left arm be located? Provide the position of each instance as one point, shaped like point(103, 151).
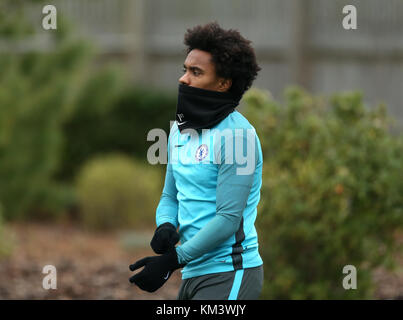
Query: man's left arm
point(233, 189)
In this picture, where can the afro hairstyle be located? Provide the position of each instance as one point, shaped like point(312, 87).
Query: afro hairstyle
point(233, 56)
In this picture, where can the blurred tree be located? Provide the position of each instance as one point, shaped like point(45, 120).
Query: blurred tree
point(59, 109)
point(38, 93)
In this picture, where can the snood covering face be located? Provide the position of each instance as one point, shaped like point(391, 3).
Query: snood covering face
point(202, 109)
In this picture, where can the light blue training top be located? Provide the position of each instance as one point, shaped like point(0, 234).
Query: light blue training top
point(211, 191)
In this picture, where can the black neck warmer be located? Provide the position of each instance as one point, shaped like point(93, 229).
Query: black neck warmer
point(202, 109)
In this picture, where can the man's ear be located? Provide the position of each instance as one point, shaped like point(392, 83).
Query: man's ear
point(224, 84)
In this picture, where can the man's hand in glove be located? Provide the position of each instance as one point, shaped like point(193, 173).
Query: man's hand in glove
point(156, 272)
point(165, 238)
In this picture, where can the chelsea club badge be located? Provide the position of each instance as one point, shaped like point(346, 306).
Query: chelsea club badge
point(201, 152)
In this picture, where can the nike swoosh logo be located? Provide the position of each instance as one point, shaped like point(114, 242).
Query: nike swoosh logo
point(166, 278)
point(179, 145)
point(180, 123)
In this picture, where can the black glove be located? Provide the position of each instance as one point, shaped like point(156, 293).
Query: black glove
point(157, 270)
point(165, 238)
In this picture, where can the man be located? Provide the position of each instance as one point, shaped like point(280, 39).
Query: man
point(208, 192)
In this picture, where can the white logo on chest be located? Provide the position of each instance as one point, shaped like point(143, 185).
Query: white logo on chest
point(201, 152)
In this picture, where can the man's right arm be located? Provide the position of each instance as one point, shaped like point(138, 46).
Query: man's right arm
point(167, 210)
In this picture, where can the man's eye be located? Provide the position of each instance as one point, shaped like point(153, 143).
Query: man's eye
point(196, 73)
point(184, 70)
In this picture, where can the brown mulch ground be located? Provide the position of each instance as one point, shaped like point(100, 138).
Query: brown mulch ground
point(89, 265)
point(95, 266)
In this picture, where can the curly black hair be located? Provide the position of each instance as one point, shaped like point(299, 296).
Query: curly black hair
point(233, 56)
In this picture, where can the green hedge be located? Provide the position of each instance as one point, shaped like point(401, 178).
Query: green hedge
point(35, 97)
point(59, 109)
point(57, 112)
point(122, 127)
point(39, 93)
point(114, 191)
point(7, 238)
point(331, 193)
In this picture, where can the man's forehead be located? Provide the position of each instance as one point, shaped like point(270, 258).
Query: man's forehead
point(199, 58)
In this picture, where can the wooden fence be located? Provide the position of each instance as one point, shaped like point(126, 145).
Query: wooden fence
point(296, 41)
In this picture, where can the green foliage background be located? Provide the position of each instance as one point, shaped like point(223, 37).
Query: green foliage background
point(58, 109)
point(116, 192)
point(331, 193)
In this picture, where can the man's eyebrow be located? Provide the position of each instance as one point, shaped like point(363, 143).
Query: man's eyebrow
point(193, 68)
